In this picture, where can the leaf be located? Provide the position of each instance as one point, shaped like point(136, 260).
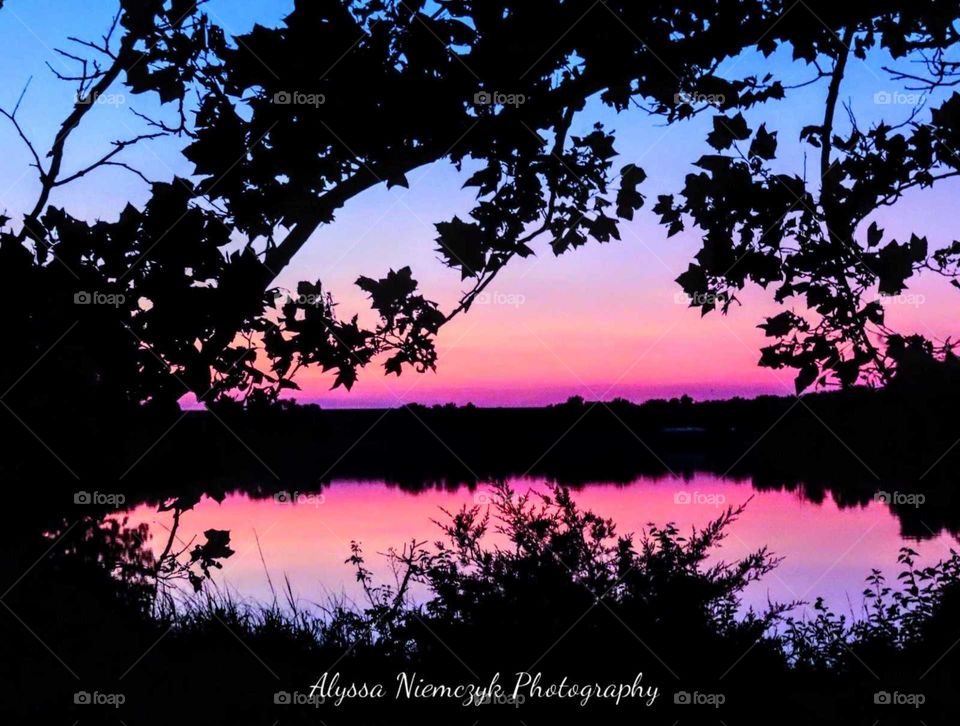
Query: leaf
point(807, 375)
point(793, 185)
point(874, 312)
point(462, 244)
point(628, 198)
point(918, 247)
point(811, 134)
point(603, 228)
point(894, 264)
point(632, 175)
point(395, 364)
point(217, 544)
point(572, 239)
point(714, 163)
point(693, 281)
point(779, 325)
point(847, 372)
point(726, 130)
point(397, 180)
point(346, 377)
point(764, 144)
point(388, 294)
point(486, 179)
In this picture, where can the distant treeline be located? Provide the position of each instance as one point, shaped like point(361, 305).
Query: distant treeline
point(857, 434)
point(852, 443)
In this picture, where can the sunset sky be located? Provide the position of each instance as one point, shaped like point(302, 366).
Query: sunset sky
point(601, 322)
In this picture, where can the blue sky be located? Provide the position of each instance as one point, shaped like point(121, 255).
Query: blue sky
point(602, 320)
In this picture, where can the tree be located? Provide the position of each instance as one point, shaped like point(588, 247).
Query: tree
point(814, 240)
point(286, 125)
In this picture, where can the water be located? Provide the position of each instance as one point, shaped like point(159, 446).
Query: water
point(827, 550)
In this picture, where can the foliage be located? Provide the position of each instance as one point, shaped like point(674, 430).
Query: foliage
point(528, 583)
point(391, 86)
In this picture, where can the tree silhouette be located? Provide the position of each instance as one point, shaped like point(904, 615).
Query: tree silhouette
point(286, 125)
point(813, 240)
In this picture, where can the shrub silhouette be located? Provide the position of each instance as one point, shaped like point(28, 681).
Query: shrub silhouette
point(534, 584)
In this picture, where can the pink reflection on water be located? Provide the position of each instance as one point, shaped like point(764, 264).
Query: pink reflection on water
point(827, 551)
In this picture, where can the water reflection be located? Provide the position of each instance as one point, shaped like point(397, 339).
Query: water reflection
point(827, 550)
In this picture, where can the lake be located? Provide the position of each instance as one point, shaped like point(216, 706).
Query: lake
point(304, 537)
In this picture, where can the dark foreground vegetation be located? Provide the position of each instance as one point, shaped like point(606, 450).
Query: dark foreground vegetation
point(560, 593)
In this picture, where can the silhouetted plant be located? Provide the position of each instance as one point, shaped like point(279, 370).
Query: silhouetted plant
point(895, 620)
point(534, 580)
point(524, 565)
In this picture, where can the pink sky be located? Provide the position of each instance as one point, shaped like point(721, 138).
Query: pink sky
point(601, 322)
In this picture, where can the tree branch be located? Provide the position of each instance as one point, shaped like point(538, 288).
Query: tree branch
point(49, 180)
point(105, 160)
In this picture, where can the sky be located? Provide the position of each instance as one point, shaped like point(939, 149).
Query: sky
point(601, 322)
